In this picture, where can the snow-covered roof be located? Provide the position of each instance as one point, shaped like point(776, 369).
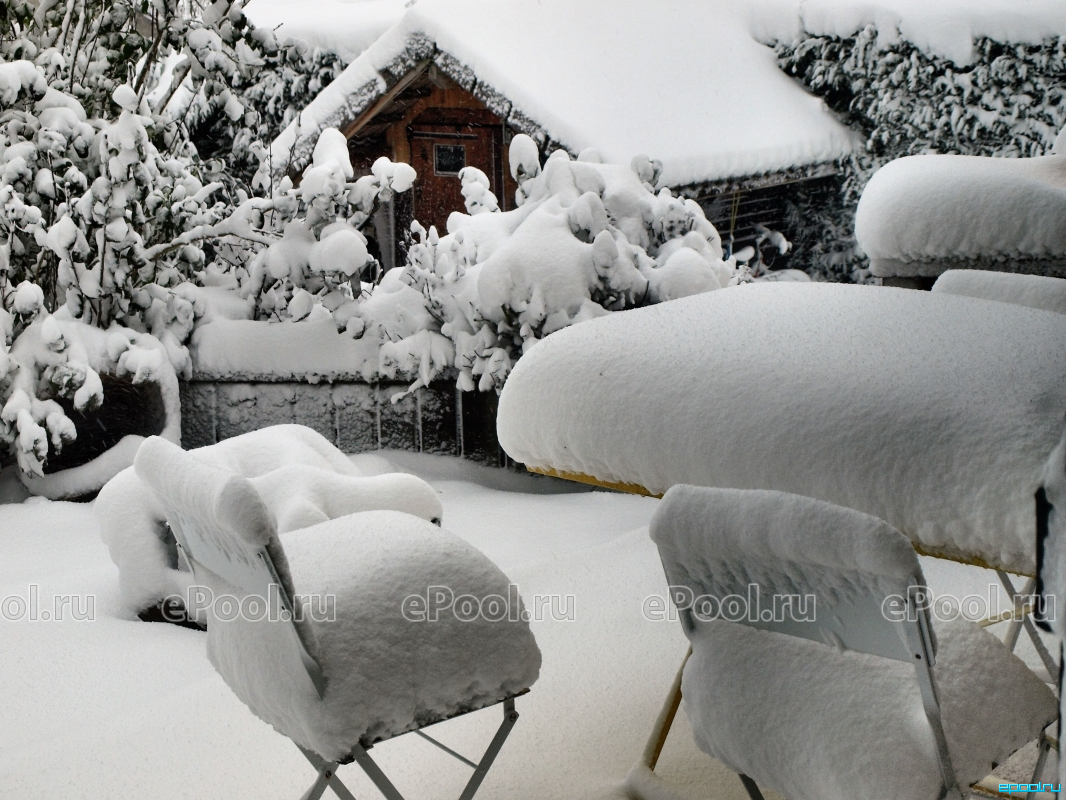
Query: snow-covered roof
point(344, 27)
point(682, 81)
point(942, 27)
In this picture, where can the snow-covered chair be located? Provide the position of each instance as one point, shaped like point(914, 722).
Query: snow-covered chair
point(815, 669)
point(301, 476)
point(365, 657)
point(1051, 563)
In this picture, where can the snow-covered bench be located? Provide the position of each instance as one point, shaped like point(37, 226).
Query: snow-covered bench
point(922, 215)
point(838, 650)
point(321, 637)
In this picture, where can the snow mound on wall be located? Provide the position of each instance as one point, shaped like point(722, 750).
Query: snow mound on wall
point(302, 477)
point(1034, 291)
point(344, 27)
point(697, 91)
point(945, 28)
point(310, 349)
point(752, 695)
point(921, 208)
point(933, 412)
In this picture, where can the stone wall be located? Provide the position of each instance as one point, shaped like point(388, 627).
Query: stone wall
point(357, 417)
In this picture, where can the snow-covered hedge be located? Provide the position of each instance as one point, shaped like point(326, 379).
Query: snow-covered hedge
point(586, 239)
point(1008, 102)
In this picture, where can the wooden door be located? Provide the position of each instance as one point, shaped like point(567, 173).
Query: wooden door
point(443, 141)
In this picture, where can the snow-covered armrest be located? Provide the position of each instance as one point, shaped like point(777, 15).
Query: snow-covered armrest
point(933, 412)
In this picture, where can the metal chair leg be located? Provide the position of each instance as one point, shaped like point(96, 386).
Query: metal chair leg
point(481, 769)
point(1041, 759)
point(750, 787)
point(327, 777)
point(510, 717)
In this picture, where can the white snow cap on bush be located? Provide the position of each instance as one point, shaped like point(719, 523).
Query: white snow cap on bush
point(767, 387)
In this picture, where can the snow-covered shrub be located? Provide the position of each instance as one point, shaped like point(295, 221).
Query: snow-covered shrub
point(56, 358)
point(904, 101)
point(314, 269)
point(586, 239)
point(241, 86)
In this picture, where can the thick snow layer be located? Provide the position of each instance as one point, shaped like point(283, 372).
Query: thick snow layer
point(933, 412)
point(301, 476)
point(1034, 291)
point(312, 349)
point(682, 81)
point(753, 695)
point(921, 208)
point(138, 711)
point(944, 28)
point(344, 27)
point(385, 672)
point(720, 540)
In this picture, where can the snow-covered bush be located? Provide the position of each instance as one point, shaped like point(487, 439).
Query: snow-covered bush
point(586, 239)
point(241, 86)
point(107, 212)
point(904, 101)
point(61, 359)
point(314, 269)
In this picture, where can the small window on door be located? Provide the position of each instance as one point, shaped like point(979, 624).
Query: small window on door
point(448, 159)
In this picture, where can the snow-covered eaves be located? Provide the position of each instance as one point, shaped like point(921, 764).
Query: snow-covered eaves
point(945, 28)
point(344, 27)
point(682, 81)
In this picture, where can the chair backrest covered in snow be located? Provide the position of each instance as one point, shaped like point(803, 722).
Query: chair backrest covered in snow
point(222, 525)
point(793, 565)
point(801, 567)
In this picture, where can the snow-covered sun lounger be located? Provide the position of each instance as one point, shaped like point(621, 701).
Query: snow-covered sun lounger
point(815, 690)
point(369, 655)
point(934, 412)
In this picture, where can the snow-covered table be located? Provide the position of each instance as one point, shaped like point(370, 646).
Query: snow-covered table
point(931, 411)
point(922, 215)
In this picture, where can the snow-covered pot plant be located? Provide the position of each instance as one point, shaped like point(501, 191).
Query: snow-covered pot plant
point(586, 239)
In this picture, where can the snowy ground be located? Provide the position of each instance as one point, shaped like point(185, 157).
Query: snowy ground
point(118, 708)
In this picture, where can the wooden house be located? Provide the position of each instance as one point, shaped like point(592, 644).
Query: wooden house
point(680, 81)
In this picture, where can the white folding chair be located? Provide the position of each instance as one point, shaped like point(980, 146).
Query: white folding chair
point(856, 572)
point(229, 541)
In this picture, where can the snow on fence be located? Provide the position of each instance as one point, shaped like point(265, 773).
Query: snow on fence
point(356, 416)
